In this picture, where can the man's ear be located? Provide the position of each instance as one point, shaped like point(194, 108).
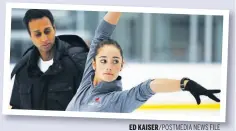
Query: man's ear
point(94, 64)
point(54, 27)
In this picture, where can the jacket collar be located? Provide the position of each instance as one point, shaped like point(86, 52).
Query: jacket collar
point(106, 87)
point(59, 50)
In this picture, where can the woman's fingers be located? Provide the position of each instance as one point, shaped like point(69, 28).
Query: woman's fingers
point(197, 97)
point(214, 91)
point(213, 97)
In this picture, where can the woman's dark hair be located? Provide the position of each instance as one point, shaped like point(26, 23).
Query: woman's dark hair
point(37, 14)
point(108, 42)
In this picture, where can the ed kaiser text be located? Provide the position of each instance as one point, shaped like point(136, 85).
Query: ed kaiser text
point(174, 127)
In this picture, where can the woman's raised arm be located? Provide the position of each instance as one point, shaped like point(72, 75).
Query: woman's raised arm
point(104, 31)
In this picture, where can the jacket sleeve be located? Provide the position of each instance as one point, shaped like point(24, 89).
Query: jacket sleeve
point(15, 96)
point(103, 32)
point(79, 59)
point(129, 100)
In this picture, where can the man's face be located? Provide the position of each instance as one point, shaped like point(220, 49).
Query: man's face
point(42, 34)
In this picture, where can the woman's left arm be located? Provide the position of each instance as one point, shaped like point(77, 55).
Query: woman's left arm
point(129, 100)
point(171, 85)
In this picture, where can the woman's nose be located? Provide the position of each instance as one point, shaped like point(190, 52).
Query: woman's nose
point(109, 67)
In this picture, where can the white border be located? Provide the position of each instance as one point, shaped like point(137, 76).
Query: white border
point(224, 13)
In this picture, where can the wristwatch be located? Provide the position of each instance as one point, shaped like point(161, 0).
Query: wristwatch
point(182, 83)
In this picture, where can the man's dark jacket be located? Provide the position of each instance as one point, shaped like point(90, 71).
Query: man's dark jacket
point(53, 89)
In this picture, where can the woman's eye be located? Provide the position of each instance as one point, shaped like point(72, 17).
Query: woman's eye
point(115, 61)
point(103, 61)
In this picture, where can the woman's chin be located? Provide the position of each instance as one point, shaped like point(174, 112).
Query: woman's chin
point(108, 79)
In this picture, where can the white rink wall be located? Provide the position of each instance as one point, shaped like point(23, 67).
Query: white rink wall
point(208, 75)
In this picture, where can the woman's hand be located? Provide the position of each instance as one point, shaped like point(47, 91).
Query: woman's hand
point(196, 90)
point(112, 17)
point(171, 85)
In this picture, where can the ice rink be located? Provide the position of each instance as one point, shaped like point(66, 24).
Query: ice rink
point(176, 104)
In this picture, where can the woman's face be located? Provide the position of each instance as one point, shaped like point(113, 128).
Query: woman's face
point(108, 63)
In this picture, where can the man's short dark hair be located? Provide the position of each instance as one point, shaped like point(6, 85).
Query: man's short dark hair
point(37, 14)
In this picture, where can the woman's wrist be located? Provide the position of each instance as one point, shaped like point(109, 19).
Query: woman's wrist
point(185, 83)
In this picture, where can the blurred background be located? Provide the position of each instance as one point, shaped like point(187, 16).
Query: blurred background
point(154, 46)
point(155, 38)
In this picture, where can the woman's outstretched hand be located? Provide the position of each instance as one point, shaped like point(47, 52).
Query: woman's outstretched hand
point(196, 90)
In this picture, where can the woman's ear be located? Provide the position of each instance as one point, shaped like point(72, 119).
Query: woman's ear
point(122, 65)
point(94, 64)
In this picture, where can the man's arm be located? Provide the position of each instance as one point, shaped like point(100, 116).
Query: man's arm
point(15, 96)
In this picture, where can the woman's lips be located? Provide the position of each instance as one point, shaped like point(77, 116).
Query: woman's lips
point(108, 74)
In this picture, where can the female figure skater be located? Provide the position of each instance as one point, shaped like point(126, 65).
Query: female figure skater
point(101, 89)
